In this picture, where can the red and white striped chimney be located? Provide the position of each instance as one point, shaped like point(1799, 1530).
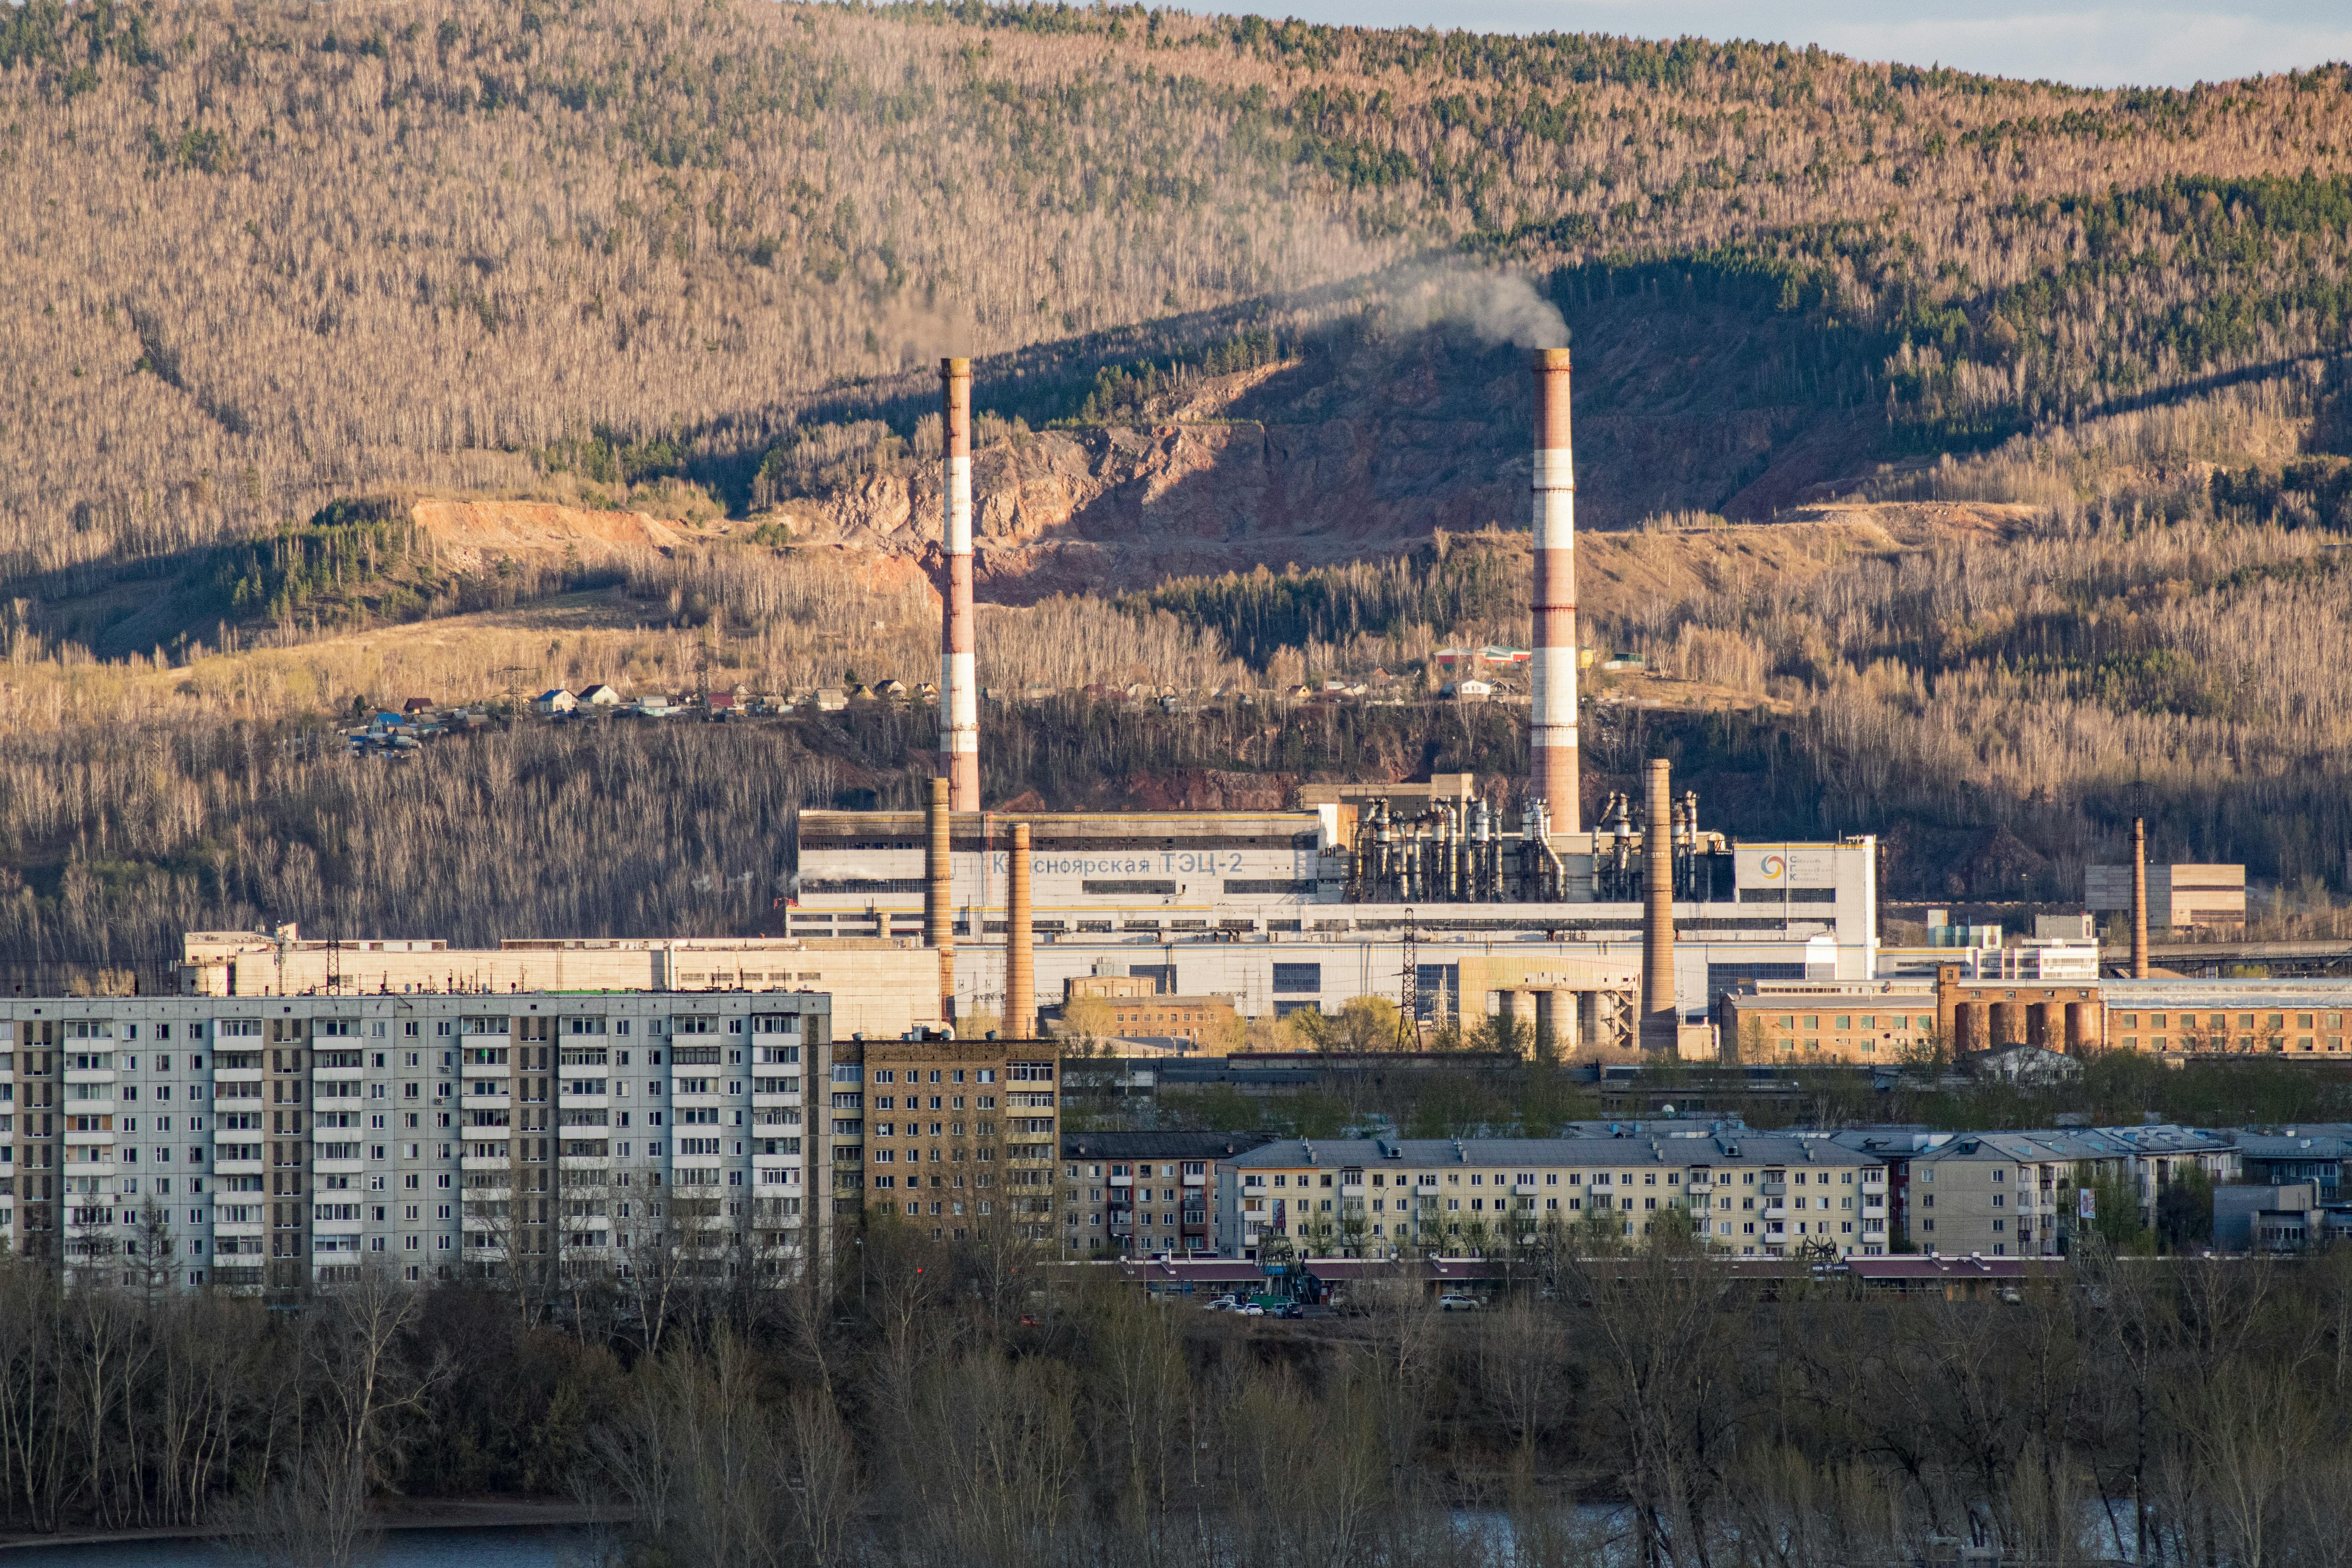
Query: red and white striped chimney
point(959, 687)
point(1552, 772)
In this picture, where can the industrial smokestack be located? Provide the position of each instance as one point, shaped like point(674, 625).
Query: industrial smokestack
point(1552, 771)
point(1020, 964)
point(2139, 897)
point(939, 918)
point(1660, 1021)
point(959, 689)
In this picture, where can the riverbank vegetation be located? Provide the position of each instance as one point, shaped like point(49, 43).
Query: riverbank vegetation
point(966, 1403)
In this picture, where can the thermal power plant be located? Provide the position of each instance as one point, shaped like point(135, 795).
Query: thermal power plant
point(1312, 906)
point(1463, 898)
point(958, 676)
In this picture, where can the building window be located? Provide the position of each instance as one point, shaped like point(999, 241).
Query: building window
point(1297, 977)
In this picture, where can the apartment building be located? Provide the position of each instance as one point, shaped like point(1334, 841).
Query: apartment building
point(2025, 1194)
point(1137, 1194)
point(1747, 1194)
point(2317, 1154)
point(956, 1138)
point(279, 1142)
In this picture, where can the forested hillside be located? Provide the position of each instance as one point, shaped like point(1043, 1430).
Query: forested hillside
point(266, 254)
point(1971, 455)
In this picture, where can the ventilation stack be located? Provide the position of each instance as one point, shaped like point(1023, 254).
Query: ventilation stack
point(1553, 771)
point(1661, 1019)
point(959, 689)
point(2139, 897)
point(939, 914)
point(1020, 961)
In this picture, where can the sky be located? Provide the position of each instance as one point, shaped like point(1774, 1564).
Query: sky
point(2167, 44)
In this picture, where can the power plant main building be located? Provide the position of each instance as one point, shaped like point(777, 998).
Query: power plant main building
point(1434, 895)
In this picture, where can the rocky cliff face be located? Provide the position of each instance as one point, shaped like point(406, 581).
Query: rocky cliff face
point(1363, 445)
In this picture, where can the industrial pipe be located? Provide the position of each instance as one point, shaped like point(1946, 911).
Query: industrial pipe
point(1661, 1020)
point(1552, 775)
point(1020, 958)
point(959, 691)
point(939, 917)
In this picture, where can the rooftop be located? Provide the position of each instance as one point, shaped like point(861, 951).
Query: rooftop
point(1748, 1148)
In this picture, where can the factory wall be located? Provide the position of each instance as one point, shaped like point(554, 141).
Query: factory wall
point(880, 987)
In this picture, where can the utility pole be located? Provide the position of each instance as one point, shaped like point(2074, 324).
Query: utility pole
point(514, 674)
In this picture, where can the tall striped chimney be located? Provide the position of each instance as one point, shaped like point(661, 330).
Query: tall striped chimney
point(1661, 1019)
point(1553, 771)
point(959, 688)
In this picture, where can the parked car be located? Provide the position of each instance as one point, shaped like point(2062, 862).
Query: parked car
point(1224, 1304)
point(1288, 1310)
point(1454, 1303)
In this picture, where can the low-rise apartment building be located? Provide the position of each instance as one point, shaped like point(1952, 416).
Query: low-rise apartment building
point(1138, 1194)
point(1747, 1194)
point(2315, 1154)
point(2027, 1194)
point(282, 1142)
point(956, 1138)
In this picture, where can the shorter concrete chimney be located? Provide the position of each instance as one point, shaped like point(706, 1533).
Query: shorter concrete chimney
point(939, 914)
point(1020, 958)
point(1661, 1019)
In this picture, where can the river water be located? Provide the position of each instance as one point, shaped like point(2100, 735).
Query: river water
point(517, 1546)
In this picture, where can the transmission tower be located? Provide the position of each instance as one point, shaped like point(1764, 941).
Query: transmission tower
point(1409, 990)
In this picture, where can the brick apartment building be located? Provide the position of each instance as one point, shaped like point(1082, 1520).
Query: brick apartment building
point(1137, 1194)
point(955, 1137)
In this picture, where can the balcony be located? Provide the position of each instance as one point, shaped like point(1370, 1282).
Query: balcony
point(1775, 1189)
point(1196, 1181)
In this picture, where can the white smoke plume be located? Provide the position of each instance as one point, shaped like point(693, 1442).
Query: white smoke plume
point(1500, 307)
